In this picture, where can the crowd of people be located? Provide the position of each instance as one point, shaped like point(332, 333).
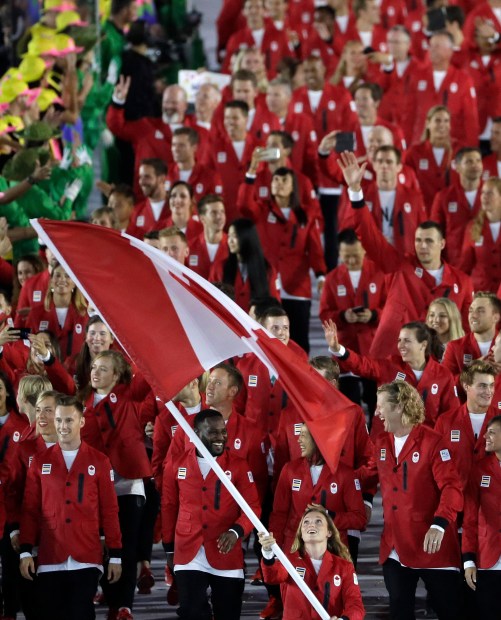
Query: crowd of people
point(349, 149)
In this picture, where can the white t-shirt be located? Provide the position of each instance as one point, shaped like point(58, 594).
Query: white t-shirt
point(355, 278)
point(314, 97)
point(438, 154)
point(438, 274)
point(471, 196)
point(239, 146)
point(399, 443)
point(258, 35)
point(438, 78)
point(477, 420)
point(157, 207)
point(315, 471)
point(366, 38)
point(495, 226)
point(62, 313)
point(212, 250)
point(184, 175)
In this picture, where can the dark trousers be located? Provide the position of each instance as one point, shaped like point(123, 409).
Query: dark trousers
point(62, 595)
point(11, 576)
point(442, 585)
point(487, 594)
point(329, 204)
point(353, 543)
point(226, 596)
point(121, 593)
point(298, 311)
point(148, 520)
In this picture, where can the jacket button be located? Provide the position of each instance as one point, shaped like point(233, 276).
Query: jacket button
point(204, 507)
point(68, 484)
point(394, 508)
point(204, 526)
point(204, 488)
point(68, 501)
point(395, 469)
point(68, 520)
point(395, 489)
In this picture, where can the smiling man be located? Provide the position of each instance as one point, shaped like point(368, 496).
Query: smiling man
point(69, 497)
point(421, 498)
point(481, 534)
point(202, 525)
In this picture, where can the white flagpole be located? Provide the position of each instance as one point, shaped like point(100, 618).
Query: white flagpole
point(246, 509)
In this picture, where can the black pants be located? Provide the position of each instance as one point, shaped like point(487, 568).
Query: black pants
point(121, 593)
point(298, 311)
point(62, 595)
point(148, 520)
point(442, 585)
point(226, 596)
point(487, 594)
point(11, 576)
point(329, 204)
point(353, 544)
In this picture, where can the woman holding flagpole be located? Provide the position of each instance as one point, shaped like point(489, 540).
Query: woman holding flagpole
point(325, 565)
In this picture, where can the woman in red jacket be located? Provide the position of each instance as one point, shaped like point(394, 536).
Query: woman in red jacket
point(418, 348)
point(481, 256)
point(246, 268)
point(112, 426)
point(63, 313)
point(291, 243)
point(325, 565)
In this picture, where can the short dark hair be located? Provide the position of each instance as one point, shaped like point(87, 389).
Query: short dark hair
point(192, 134)
point(326, 10)
point(205, 414)
point(237, 105)
point(495, 420)
point(244, 75)
point(117, 6)
point(492, 297)
point(151, 234)
point(465, 151)
point(431, 225)
point(324, 362)
point(234, 374)
point(158, 165)
point(124, 190)
point(275, 311)
point(262, 305)
point(206, 200)
point(287, 140)
point(348, 236)
point(376, 90)
point(70, 401)
point(389, 148)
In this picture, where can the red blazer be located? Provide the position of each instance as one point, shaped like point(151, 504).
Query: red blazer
point(482, 259)
point(71, 336)
point(33, 293)
point(457, 92)
point(336, 109)
point(419, 489)
point(420, 286)
point(482, 513)
point(196, 512)
point(64, 511)
point(357, 452)
point(275, 46)
point(262, 400)
point(245, 440)
point(203, 180)
point(436, 385)
point(336, 582)
point(143, 220)
point(432, 177)
point(456, 430)
point(199, 260)
point(290, 247)
point(10, 435)
point(338, 295)
point(150, 138)
point(408, 212)
point(340, 493)
point(452, 211)
point(113, 427)
point(224, 160)
point(461, 353)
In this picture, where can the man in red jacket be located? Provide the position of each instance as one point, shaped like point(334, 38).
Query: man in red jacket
point(202, 525)
point(481, 544)
point(69, 498)
point(153, 211)
point(421, 498)
point(210, 249)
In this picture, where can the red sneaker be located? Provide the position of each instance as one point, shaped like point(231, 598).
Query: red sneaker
point(169, 578)
point(273, 611)
point(145, 581)
point(124, 613)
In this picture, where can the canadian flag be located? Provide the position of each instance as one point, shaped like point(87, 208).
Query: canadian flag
point(174, 324)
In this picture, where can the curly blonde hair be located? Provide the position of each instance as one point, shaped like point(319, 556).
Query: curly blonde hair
point(334, 543)
point(404, 394)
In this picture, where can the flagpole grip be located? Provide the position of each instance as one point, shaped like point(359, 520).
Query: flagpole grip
point(317, 606)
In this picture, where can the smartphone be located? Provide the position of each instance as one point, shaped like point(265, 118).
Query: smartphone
point(269, 154)
point(358, 309)
point(23, 332)
point(345, 141)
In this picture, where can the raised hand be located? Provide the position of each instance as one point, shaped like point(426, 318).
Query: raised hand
point(330, 333)
point(353, 172)
point(122, 88)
